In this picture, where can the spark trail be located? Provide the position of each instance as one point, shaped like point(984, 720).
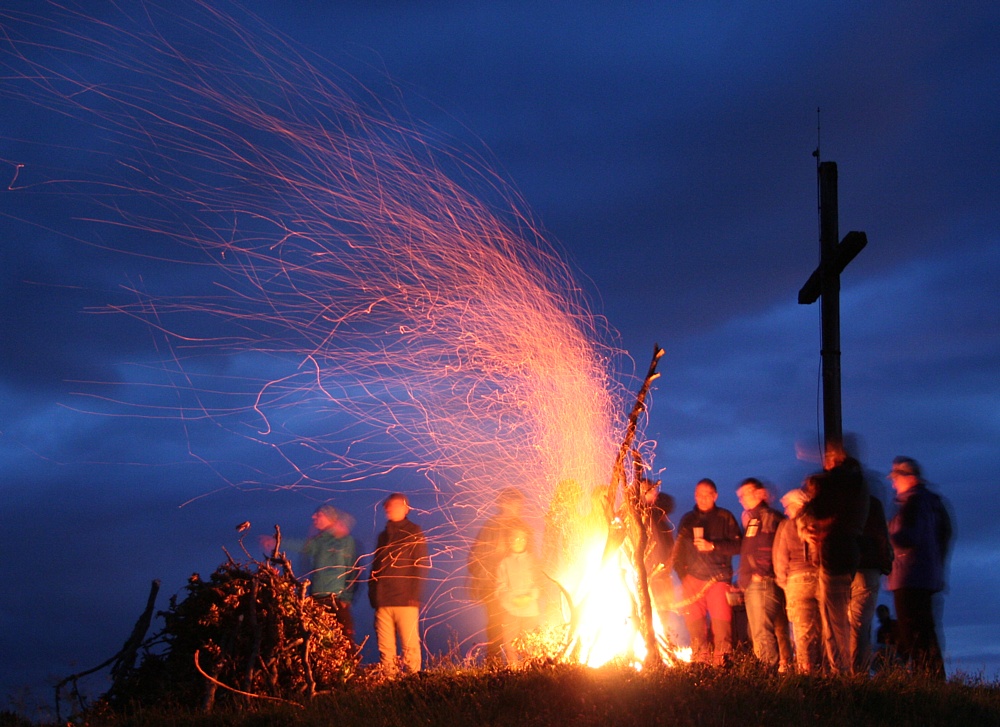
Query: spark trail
point(358, 296)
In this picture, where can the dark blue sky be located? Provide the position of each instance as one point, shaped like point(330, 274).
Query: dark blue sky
point(666, 152)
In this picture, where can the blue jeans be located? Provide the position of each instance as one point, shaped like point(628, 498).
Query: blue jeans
point(834, 596)
point(768, 622)
point(864, 596)
point(803, 611)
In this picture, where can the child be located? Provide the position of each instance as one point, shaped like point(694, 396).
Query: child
point(517, 592)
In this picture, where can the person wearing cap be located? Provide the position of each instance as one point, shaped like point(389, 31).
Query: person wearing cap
point(707, 539)
point(920, 533)
point(395, 590)
point(332, 554)
point(765, 601)
point(798, 576)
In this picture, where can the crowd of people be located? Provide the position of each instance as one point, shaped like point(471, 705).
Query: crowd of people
point(808, 578)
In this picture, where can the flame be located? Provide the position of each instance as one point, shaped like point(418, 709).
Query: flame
point(350, 302)
point(603, 609)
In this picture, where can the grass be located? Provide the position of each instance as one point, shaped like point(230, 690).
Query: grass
point(610, 696)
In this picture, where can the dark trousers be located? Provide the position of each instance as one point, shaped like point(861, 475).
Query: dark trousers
point(341, 611)
point(916, 633)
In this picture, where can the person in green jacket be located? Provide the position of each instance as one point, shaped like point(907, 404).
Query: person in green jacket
point(332, 555)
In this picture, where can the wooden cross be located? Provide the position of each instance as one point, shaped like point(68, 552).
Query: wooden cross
point(825, 282)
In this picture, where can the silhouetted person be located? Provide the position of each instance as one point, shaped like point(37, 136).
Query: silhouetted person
point(885, 639)
point(920, 533)
point(659, 561)
point(875, 561)
point(831, 523)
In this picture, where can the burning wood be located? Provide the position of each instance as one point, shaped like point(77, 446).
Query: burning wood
point(628, 523)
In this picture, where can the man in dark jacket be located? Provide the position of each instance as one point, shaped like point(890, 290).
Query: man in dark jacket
point(831, 524)
point(920, 533)
point(395, 589)
point(707, 539)
point(765, 601)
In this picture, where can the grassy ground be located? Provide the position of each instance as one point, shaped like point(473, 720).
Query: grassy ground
point(574, 695)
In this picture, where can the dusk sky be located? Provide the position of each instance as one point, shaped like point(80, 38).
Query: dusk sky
point(665, 150)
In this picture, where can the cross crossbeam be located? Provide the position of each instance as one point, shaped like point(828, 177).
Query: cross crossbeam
point(824, 285)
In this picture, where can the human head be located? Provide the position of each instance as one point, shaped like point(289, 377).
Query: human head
point(810, 486)
point(751, 493)
point(834, 455)
point(882, 611)
point(510, 501)
point(396, 507)
point(905, 474)
point(327, 517)
point(705, 494)
point(793, 500)
point(518, 540)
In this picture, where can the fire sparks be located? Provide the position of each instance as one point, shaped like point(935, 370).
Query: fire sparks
point(348, 299)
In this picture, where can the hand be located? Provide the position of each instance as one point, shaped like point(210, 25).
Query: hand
point(705, 546)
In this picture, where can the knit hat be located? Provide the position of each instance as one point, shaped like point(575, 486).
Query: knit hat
point(335, 515)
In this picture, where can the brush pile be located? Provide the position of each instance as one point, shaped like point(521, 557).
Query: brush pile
point(248, 632)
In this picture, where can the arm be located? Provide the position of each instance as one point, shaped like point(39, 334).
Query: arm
point(779, 554)
point(729, 544)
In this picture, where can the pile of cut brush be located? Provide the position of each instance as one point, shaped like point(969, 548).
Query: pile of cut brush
point(249, 632)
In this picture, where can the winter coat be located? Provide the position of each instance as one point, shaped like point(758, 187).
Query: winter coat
point(722, 530)
point(758, 543)
point(399, 566)
point(920, 533)
point(332, 561)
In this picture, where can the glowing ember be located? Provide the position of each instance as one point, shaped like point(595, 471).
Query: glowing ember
point(367, 313)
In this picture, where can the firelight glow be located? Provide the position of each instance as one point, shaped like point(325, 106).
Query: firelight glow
point(349, 305)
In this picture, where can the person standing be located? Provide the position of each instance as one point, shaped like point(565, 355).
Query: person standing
point(831, 523)
point(875, 561)
point(707, 539)
point(332, 553)
point(492, 545)
point(660, 557)
point(399, 568)
point(765, 601)
point(795, 572)
point(517, 592)
point(920, 533)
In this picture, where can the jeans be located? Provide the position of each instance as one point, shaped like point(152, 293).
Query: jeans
point(864, 597)
point(834, 595)
point(402, 619)
point(768, 622)
point(803, 612)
